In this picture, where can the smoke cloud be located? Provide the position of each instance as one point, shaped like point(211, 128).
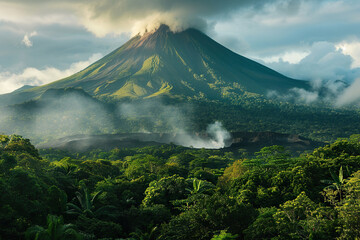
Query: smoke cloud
point(155, 116)
point(113, 16)
point(216, 137)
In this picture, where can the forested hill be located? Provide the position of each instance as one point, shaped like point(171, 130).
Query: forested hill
point(170, 192)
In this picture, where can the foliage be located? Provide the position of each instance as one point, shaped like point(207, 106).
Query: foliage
point(170, 192)
point(56, 230)
point(224, 236)
point(86, 205)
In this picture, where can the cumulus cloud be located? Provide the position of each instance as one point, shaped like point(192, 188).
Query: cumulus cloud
point(325, 62)
point(112, 16)
point(332, 71)
point(283, 27)
point(33, 76)
point(351, 48)
point(26, 40)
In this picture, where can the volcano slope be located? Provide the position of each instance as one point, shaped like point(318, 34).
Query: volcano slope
point(183, 65)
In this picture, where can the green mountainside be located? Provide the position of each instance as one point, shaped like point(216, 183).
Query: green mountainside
point(184, 65)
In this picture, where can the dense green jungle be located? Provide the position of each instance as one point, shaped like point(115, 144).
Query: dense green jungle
point(173, 192)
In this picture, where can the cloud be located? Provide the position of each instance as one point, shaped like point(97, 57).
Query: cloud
point(350, 95)
point(331, 93)
point(297, 95)
point(351, 48)
point(113, 16)
point(332, 69)
point(55, 46)
point(282, 27)
point(26, 40)
point(33, 76)
point(324, 61)
point(291, 57)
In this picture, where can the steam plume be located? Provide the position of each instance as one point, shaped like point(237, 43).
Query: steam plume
point(218, 138)
point(155, 116)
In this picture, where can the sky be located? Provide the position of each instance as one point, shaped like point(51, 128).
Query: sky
point(316, 40)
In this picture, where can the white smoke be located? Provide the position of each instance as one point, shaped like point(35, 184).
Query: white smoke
point(155, 116)
point(218, 137)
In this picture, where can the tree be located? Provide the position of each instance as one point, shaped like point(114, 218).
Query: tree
point(264, 226)
point(224, 236)
point(348, 208)
point(86, 204)
point(200, 186)
point(207, 216)
point(56, 200)
point(337, 183)
point(301, 218)
point(165, 190)
point(7, 162)
point(56, 230)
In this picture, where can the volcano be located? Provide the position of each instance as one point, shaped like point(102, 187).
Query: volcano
point(185, 65)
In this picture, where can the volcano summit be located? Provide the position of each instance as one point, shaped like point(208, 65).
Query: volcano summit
point(183, 65)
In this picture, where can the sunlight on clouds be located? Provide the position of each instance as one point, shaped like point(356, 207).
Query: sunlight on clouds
point(324, 62)
point(350, 95)
point(34, 77)
point(290, 57)
point(41, 12)
point(352, 49)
